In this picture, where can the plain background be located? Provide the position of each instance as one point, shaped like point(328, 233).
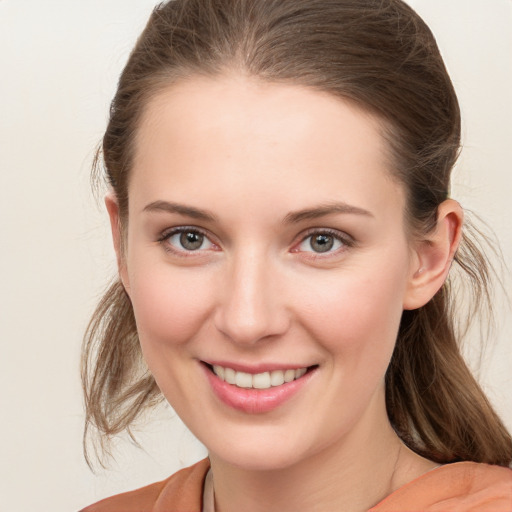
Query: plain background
point(59, 63)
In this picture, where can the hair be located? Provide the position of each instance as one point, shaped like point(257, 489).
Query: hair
point(381, 56)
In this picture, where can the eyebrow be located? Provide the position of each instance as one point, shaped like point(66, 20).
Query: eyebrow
point(189, 211)
point(324, 210)
point(291, 218)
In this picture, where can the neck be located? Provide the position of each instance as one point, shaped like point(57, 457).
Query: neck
point(352, 475)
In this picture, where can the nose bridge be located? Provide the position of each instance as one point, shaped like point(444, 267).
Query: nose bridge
point(250, 309)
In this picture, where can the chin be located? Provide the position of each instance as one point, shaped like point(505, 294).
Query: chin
point(260, 452)
point(259, 460)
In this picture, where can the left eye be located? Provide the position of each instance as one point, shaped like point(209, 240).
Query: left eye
point(188, 240)
point(321, 243)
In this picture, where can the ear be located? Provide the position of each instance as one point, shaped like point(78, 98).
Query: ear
point(117, 236)
point(433, 256)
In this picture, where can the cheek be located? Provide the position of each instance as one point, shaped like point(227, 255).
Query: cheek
point(357, 312)
point(171, 310)
point(171, 306)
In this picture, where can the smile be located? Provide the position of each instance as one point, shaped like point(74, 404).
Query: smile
point(264, 380)
point(260, 392)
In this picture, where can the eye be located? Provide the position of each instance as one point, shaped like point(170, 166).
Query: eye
point(321, 242)
point(185, 239)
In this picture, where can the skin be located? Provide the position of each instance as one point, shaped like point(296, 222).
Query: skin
point(256, 293)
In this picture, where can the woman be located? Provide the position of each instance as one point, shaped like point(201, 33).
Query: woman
point(279, 205)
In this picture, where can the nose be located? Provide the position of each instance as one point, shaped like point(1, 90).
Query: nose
point(251, 307)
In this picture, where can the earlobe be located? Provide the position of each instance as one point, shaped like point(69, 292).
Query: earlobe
point(112, 206)
point(434, 256)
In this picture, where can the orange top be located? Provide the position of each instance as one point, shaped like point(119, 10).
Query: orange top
point(458, 487)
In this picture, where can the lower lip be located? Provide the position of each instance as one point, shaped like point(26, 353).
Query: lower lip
point(255, 401)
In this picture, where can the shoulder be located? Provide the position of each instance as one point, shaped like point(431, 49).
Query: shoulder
point(458, 487)
point(182, 491)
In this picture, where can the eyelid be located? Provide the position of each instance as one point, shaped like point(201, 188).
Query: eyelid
point(346, 240)
point(169, 232)
point(343, 237)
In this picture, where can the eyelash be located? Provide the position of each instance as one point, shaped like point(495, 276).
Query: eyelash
point(345, 240)
point(184, 253)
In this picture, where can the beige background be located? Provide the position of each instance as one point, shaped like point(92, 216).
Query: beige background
point(59, 62)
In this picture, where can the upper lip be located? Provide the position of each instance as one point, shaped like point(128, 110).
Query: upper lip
point(256, 368)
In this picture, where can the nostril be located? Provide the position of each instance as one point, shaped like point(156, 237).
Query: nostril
point(246, 326)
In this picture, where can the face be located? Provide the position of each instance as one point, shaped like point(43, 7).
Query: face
point(267, 264)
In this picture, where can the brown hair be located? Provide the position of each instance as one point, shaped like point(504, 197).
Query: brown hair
point(380, 55)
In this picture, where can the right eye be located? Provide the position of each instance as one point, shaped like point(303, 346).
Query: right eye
point(321, 243)
point(185, 239)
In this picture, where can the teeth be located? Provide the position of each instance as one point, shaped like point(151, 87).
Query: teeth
point(263, 380)
point(276, 378)
point(219, 371)
point(243, 380)
point(301, 372)
point(229, 375)
point(289, 375)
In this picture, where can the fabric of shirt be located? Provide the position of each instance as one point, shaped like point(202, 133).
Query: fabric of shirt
point(458, 487)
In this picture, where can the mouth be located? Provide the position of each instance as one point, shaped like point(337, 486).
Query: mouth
point(257, 392)
point(263, 380)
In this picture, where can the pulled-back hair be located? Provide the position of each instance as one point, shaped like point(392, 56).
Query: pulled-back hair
point(380, 55)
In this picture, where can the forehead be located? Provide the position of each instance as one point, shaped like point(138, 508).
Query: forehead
point(250, 138)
